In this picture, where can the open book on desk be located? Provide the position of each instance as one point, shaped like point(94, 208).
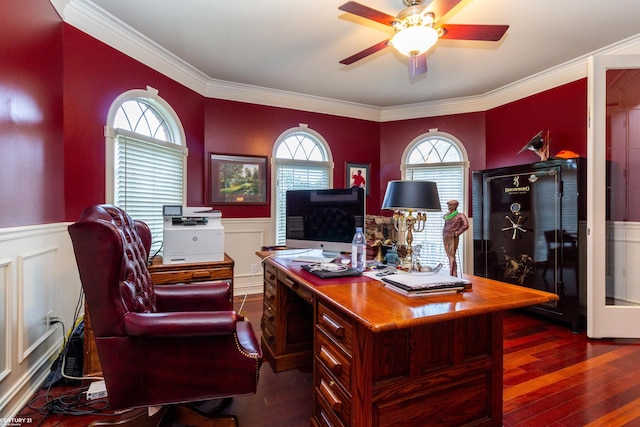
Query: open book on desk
point(424, 284)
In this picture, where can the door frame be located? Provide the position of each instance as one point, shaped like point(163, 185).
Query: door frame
point(603, 321)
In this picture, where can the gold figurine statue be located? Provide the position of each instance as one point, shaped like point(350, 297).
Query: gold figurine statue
point(455, 223)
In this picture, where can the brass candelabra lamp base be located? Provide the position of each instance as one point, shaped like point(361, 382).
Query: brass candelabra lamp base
point(407, 223)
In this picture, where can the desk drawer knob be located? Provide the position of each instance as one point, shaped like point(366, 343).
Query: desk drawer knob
point(201, 274)
point(291, 283)
point(334, 327)
point(331, 398)
point(268, 314)
point(329, 359)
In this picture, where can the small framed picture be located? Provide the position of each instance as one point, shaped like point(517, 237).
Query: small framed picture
point(238, 180)
point(358, 176)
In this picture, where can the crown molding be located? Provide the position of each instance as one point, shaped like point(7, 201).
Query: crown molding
point(283, 99)
point(94, 21)
point(433, 108)
point(567, 72)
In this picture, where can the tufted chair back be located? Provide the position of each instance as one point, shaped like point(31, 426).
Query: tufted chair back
point(114, 264)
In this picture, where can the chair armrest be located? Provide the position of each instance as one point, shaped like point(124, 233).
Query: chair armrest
point(194, 324)
point(247, 338)
point(205, 296)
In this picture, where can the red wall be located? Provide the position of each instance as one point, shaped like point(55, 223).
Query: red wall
point(94, 75)
point(493, 138)
point(468, 128)
point(31, 150)
point(53, 163)
point(238, 128)
point(562, 111)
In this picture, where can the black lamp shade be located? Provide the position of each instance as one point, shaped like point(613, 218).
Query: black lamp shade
point(412, 195)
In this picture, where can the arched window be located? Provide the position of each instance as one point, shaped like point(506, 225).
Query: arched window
point(146, 158)
point(301, 160)
point(440, 157)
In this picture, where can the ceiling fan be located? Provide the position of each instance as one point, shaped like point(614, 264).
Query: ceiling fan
point(417, 30)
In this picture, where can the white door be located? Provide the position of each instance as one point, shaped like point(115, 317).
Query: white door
point(613, 197)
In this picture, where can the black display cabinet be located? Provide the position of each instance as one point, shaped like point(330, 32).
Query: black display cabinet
point(529, 225)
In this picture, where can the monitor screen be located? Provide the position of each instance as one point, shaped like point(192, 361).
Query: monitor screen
point(324, 219)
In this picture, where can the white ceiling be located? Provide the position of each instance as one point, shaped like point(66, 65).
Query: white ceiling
point(295, 46)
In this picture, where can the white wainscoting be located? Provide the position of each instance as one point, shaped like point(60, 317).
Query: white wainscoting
point(39, 280)
point(242, 238)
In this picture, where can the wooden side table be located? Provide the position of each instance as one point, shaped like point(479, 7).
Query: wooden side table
point(161, 274)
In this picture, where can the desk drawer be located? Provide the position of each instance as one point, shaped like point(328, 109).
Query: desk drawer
point(333, 359)
point(270, 274)
point(332, 404)
point(295, 286)
point(268, 334)
point(189, 276)
point(324, 416)
point(269, 314)
point(270, 292)
point(336, 326)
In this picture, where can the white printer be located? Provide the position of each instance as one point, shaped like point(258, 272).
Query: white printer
point(192, 235)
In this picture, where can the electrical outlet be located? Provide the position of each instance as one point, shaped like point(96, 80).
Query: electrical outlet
point(48, 318)
point(254, 268)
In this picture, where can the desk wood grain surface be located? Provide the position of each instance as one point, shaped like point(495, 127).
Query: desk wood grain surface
point(380, 309)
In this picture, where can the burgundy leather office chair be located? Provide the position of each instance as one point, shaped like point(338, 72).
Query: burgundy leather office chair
point(162, 345)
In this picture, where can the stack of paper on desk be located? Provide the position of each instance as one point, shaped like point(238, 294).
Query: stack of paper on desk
point(424, 284)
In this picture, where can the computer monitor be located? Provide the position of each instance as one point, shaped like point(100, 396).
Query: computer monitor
point(324, 219)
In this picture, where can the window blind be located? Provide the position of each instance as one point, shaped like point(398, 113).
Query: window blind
point(295, 176)
point(148, 176)
point(450, 186)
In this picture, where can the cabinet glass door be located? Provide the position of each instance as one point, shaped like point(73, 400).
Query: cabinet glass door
point(613, 221)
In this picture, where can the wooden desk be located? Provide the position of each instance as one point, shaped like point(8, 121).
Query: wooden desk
point(162, 274)
point(383, 359)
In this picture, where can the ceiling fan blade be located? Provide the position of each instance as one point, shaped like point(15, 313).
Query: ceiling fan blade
point(417, 65)
point(439, 8)
point(364, 53)
point(367, 12)
point(473, 32)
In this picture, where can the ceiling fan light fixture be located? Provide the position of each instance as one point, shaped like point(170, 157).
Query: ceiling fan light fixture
point(414, 40)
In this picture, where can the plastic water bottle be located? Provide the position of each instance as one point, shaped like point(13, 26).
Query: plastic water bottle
point(359, 250)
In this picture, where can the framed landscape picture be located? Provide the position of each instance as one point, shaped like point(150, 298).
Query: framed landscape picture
point(238, 179)
point(358, 176)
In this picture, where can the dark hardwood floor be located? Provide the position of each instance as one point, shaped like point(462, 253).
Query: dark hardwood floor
point(552, 378)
